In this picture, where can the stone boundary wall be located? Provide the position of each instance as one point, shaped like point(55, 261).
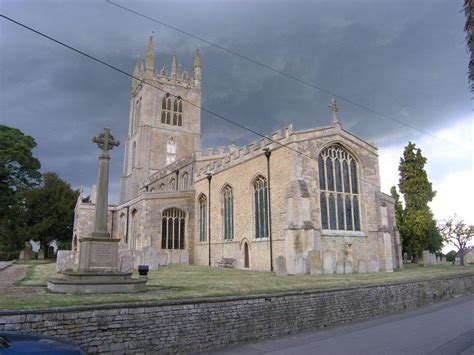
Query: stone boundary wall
point(197, 325)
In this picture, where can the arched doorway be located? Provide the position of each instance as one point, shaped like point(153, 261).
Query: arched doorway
point(246, 256)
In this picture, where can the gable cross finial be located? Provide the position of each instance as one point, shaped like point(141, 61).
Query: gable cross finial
point(334, 109)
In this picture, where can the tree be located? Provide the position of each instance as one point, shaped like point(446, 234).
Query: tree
point(19, 170)
point(451, 256)
point(458, 233)
point(47, 212)
point(415, 221)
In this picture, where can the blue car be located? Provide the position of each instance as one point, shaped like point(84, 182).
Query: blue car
point(20, 343)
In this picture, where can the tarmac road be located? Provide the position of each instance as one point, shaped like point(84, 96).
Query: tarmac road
point(441, 329)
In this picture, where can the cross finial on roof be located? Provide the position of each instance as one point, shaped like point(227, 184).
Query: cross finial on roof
point(334, 109)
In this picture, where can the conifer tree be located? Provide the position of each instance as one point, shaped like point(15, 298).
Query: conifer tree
point(416, 224)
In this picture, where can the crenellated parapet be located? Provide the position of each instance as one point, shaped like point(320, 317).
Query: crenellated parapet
point(239, 154)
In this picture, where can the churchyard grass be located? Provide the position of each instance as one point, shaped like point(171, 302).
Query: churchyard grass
point(183, 282)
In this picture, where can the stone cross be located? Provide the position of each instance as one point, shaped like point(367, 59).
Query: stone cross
point(334, 109)
point(106, 141)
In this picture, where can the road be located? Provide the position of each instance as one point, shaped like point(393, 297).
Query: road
point(441, 329)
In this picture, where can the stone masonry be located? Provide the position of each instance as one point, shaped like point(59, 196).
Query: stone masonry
point(199, 325)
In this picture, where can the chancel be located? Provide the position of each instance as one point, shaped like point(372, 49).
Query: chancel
point(310, 199)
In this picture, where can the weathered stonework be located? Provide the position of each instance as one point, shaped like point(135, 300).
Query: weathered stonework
point(199, 325)
point(151, 185)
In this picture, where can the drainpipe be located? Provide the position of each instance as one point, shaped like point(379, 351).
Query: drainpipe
point(209, 178)
point(268, 153)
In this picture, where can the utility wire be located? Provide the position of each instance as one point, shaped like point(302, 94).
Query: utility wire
point(290, 76)
point(160, 89)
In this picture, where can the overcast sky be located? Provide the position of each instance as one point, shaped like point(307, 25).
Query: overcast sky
point(406, 59)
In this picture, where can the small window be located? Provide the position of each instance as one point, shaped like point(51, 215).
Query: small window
point(202, 218)
point(170, 152)
point(260, 191)
point(228, 224)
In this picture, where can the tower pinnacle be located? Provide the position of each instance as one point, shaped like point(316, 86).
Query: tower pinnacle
point(197, 59)
point(150, 55)
point(174, 67)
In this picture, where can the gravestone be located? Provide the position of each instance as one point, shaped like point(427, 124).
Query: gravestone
point(41, 254)
point(426, 258)
point(316, 267)
point(64, 260)
point(184, 258)
point(27, 252)
point(433, 259)
point(151, 258)
point(362, 266)
point(348, 267)
point(280, 266)
point(374, 266)
point(329, 262)
point(126, 263)
point(175, 256)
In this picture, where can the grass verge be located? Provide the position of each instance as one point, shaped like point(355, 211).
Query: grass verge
point(187, 282)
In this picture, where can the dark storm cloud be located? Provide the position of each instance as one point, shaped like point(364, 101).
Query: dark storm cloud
point(405, 59)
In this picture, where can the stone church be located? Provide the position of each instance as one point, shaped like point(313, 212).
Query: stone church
point(309, 199)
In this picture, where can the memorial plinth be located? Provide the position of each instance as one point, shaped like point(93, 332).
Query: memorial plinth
point(98, 257)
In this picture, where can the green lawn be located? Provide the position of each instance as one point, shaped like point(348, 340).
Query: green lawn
point(181, 282)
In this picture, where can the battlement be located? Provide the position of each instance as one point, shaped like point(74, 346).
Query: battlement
point(238, 154)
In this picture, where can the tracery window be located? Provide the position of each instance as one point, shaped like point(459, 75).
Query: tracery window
point(172, 114)
point(172, 184)
point(339, 191)
point(172, 229)
point(260, 192)
point(170, 152)
point(228, 225)
point(202, 218)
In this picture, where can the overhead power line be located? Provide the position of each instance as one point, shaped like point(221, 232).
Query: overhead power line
point(162, 90)
point(273, 69)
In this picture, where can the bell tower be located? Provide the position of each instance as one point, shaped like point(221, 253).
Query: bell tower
point(164, 122)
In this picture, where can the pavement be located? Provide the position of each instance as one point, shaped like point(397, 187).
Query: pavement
point(441, 329)
point(12, 273)
point(4, 264)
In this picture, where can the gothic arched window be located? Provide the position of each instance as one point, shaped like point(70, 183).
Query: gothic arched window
point(170, 152)
point(260, 193)
point(202, 218)
point(228, 203)
point(172, 184)
point(338, 184)
point(175, 119)
point(172, 229)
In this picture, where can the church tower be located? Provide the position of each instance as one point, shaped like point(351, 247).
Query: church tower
point(164, 124)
